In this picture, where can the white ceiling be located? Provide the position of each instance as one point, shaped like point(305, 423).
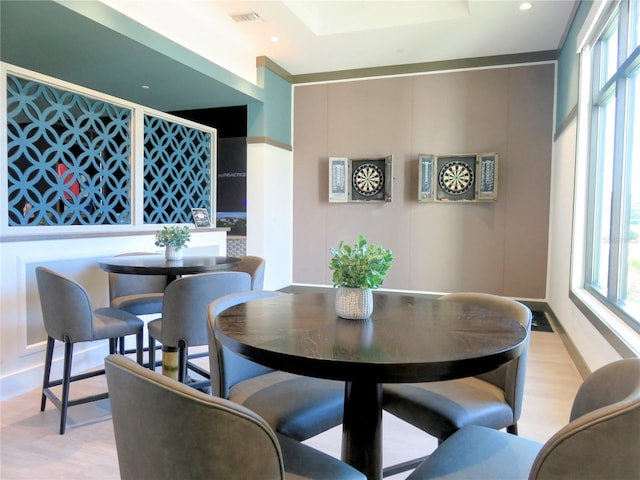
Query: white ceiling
point(327, 36)
point(316, 37)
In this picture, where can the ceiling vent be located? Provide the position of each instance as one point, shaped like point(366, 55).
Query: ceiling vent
point(246, 17)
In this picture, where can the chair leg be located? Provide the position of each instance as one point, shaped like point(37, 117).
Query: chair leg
point(513, 429)
point(112, 346)
point(66, 380)
point(152, 353)
point(121, 344)
point(139, 348)
point(182, 362)
point(48, 358)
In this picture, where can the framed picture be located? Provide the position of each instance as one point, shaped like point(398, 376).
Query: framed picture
point(201, 217)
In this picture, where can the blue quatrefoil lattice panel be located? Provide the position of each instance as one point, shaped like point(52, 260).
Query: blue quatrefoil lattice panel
point(68, 157)
point(177, 171)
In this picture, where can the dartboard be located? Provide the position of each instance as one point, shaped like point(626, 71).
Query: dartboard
point(455, 177)
point(368, 179)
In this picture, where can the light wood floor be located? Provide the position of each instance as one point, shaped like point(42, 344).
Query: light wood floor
point(30, 447)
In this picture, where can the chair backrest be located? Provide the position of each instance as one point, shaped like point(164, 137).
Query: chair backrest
point(603, 438)
point(66, 307)
point(255, 267)
point(121, 284)
point(230, 367)
point(184, 309)
point(511, 376)
point(165, 429)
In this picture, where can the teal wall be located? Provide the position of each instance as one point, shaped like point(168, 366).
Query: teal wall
point(271, 118)
point(569, 67)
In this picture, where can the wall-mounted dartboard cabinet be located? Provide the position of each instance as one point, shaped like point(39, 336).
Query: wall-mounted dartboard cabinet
point(360, 179)
point(458, 178)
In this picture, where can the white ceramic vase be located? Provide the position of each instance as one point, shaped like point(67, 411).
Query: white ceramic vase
point(172, 253)
point(354, 303)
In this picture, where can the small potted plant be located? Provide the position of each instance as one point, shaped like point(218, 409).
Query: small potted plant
point(357, 270)
point(174, 239)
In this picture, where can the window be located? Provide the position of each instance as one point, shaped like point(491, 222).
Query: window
point(612, 262)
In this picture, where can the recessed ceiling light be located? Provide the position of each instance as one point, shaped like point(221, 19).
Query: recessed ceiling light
point(145, 87)
point(525, 6)
point(274, 39)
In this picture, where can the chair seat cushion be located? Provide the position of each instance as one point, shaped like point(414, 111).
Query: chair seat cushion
point(299, 407)
point(140, 304)
point(113, 323)
point(480, 453)
point(441, 408)
point(301, 462)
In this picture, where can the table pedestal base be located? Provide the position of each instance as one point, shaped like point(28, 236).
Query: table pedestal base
point(170, 362)
point(362, 428)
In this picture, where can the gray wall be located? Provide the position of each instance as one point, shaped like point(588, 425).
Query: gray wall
point(498, 247)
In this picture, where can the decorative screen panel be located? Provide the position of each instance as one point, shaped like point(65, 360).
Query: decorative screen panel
point(68, 157)
point(177, 171)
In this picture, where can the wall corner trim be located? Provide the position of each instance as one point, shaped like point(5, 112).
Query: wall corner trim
point(429, 67)
point(266, 62)
point(269, 141)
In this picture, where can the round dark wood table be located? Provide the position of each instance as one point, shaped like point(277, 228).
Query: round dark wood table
point(407, 339)
point(157, 265)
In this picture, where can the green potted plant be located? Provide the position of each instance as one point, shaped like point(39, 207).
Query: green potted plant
point(174, 239)
point(357, 270)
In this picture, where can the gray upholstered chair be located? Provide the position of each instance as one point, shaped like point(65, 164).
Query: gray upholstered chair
point(69, 317)
point(164, 429)
point(137, 294)
point(493, 399)
point(255, 267)
point(184, 315)
point(297, 406)
point(601, 441)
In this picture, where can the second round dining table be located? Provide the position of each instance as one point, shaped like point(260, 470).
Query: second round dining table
point(407, 339)
point(151, 264)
